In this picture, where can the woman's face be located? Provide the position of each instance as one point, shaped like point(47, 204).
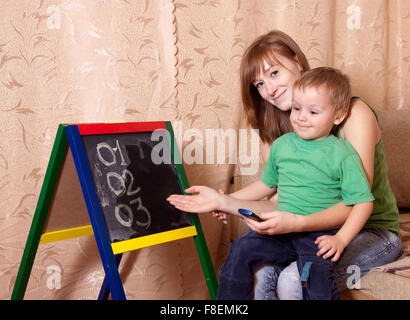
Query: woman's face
point(274, 82)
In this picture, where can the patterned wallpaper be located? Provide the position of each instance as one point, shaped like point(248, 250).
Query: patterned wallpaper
point(136, 60)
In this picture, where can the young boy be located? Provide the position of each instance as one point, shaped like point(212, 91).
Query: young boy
point(311, 170)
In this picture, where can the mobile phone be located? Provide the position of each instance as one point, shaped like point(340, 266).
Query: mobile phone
point(249, 214)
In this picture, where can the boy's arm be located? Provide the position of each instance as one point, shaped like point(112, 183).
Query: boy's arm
point(254, 191)
point(206, 199)
point(335, 245)
point(251, 200)
point(259, 189)
point(355, 222)
point(356, 191)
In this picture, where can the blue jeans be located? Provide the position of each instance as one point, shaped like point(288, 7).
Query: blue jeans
point(369, 249)
point(236, 276)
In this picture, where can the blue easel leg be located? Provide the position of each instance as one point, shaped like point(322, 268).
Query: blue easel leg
point(105, 289)
point(95, 213)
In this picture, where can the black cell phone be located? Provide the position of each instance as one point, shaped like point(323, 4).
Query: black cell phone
point(249, 214)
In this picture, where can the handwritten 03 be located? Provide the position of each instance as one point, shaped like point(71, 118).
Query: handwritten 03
point(122, 184)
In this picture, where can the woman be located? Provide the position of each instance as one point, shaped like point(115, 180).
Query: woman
point(269, 68)
point(261, 93)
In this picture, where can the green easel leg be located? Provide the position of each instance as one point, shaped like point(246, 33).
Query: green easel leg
point(199, 239)
point(40, 215)
point(205, 258)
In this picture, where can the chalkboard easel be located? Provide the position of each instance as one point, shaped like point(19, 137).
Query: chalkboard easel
point(125, 175)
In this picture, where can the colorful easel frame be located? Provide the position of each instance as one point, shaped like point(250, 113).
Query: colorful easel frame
point(70, 136)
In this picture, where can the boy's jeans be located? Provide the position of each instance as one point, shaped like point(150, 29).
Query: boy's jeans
point(370, 248)
point(236, 277)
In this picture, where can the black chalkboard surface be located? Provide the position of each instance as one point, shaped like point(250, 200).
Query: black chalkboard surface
point(131, 188)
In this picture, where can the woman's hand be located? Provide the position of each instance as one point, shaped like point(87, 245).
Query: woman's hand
point(204, 200)
point(276, 222)
point(220, 215)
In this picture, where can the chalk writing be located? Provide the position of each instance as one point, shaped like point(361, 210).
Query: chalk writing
point(117, 184)
point(131, 188)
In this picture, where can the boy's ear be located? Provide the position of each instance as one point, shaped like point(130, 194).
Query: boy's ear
point(340, 117)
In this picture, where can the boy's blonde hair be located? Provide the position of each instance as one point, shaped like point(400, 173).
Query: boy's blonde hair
point(333, 80)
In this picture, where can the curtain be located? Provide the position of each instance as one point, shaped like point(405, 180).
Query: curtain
point(141, 60)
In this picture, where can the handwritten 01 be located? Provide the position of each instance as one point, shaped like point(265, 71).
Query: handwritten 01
point(118, 185)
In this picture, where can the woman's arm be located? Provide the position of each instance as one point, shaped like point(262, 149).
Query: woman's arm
point(362, 131)
point(265, 150)
point(279, 222)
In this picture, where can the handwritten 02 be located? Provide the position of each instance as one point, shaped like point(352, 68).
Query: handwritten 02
point(122, 184)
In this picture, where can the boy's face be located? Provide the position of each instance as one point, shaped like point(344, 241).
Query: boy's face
point(313, 116)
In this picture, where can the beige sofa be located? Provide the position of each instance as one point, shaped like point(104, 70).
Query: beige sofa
point(391, 281)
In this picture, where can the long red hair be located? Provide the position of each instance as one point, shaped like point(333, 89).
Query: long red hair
point(262, 115)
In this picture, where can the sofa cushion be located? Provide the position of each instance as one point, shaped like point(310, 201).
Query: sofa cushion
point(390, 281)
point(395, 127)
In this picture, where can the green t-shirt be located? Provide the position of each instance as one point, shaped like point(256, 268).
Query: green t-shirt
point(313, 175)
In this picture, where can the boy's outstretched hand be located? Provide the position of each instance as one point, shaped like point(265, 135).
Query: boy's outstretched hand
point(330, 246)
point(204, 200)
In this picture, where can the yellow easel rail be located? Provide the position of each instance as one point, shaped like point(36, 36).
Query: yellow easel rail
point(122, 246)
point(153, 239)
point(66, 234)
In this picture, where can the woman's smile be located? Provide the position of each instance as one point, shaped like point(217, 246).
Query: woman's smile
point(277, 97)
